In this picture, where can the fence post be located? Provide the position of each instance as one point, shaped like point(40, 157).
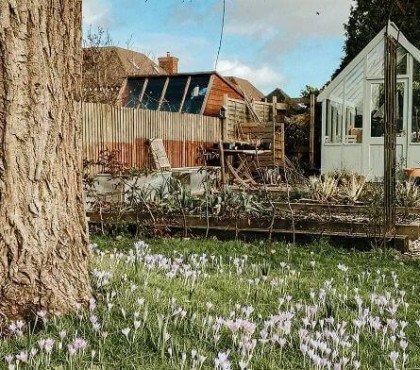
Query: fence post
point(274, 120)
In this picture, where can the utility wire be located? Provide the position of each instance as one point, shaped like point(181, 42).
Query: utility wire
point(221, 34)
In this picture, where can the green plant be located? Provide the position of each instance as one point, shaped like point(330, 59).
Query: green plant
point(352, 189)
point(407, 194)
point(162, 305)
point(323, 188)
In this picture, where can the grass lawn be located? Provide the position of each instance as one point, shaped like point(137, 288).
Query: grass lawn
point(194, 304)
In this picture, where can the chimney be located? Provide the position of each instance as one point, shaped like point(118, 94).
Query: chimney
point(169, 64)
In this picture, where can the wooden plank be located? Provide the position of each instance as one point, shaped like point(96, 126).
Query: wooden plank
point(162, 97)
point(187, 86)
point(143, 91)
point(222, 163)
point(235, 175)
point(159, 154)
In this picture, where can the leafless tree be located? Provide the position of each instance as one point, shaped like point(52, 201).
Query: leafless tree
point(106, 66)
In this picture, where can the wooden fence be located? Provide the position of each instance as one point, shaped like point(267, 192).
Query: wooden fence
point(185, 136)
point(239, 113)
point(128, 131)
point(254, 123)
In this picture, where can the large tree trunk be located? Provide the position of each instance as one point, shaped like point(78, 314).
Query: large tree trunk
point(43, 236)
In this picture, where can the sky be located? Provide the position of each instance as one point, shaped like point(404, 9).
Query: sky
point(273, 43)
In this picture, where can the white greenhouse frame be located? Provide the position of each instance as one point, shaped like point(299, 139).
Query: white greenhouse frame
point(340, 148)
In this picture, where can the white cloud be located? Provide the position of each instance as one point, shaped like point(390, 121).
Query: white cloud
point(186, 14)
point(265, 18)
point(264, 77)
point(280, 24)
point(97, 13)
point(186, 48)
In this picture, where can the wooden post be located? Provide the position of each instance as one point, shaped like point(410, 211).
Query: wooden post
point(222, 163)
point(226, 119)
point(283, 150)
point(312, 132)
point(390, 136)
point(274, 109)
point(274, 144)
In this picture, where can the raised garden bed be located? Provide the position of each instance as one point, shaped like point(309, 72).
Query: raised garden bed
point(336, 226)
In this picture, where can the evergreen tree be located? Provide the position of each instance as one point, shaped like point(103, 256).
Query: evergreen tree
point(368, 17)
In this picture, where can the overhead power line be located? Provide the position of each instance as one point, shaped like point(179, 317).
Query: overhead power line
point(221, 34)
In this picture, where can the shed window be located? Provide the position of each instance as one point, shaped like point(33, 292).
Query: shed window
point(153, 93)
point(172, 100)
point(196, 94)
point(334, 126)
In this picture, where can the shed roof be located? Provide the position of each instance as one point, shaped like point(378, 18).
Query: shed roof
point(393, 31)
point(248, 89)
point(188, 74)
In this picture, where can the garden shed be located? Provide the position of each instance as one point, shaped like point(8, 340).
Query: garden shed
point(353, 110)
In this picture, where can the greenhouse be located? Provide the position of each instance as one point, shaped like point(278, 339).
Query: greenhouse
point(353, 111)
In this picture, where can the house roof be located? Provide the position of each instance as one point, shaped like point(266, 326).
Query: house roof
point(135, 62)
point(117, 63)
point(278, 92)
point(106, 68)
point(393, 31)
point(294, 103)
point(247, 88)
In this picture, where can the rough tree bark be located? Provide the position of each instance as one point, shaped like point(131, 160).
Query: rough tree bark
point(43, 236)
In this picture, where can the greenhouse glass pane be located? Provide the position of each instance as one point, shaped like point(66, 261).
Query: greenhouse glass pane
point(354, 103)
point(134, 90)
point(153, 93)
point(174, 94)
point(196, 94)
point(415, 123)
point(375, 62)
point(377, 111)
point(334, 124)
point(402, 58)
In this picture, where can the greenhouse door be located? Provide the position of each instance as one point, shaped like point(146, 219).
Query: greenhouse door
point(376, 126)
